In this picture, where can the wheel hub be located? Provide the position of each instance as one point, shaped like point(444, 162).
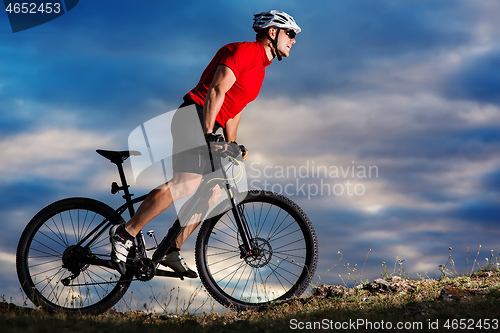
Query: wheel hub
point(261, 253)
point(71, 259)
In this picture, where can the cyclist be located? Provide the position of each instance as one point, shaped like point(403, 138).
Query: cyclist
point(231, 80)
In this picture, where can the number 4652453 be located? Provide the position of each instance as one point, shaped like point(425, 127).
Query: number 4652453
point(33, 8)
point(471, 324)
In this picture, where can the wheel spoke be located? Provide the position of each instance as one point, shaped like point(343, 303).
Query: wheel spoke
point(57, 253)
point(51, 255)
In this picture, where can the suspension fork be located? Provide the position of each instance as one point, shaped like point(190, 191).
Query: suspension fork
point(247, 246)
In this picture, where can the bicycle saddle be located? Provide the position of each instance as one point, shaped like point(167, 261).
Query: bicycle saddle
point(117, 157)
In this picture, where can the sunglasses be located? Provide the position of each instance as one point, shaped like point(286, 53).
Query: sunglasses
point(290, 33)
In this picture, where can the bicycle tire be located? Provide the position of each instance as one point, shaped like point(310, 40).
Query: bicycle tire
point(39, 259)
point(285, 266)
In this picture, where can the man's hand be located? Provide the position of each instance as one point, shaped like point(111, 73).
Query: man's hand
point(238, 149)
point(244, 152)
point(215, 142)
point(211, 138)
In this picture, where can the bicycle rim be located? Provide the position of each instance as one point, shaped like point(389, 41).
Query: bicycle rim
point(43, 261)
point(283, 267)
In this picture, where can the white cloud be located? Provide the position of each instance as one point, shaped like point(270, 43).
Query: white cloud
point(7, 258)
point(52, 153)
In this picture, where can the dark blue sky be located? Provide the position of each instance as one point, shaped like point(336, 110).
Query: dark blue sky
point(408, 87)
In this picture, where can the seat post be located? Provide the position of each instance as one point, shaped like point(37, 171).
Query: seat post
point(127, 196)
point(117, 157)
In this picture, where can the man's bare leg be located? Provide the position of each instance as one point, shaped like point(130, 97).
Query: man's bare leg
point(159, 199)
point(195, 219)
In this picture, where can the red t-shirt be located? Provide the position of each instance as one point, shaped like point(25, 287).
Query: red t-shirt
point(248, 61)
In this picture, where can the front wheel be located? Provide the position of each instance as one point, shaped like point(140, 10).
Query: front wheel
point(47, 258)
point(282, 267)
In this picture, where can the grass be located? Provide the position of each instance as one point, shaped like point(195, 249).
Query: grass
point(454, 299)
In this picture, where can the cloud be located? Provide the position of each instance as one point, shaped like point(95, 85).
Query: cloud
point(53, 153)
point(9, 287)
point(343, 42)
point(8, 258)
point(491, 181)
point(484, 213)
point(478, 79)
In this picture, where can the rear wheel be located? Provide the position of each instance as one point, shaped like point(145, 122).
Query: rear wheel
point(47, 258)
point(283, 265)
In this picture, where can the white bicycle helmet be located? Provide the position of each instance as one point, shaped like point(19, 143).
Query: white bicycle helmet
point(274, 18)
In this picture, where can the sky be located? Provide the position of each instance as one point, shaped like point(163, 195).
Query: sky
point(383, 124)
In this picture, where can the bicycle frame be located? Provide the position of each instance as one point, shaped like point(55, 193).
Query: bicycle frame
point(161, 249)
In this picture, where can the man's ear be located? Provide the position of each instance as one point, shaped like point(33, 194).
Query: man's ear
point(272, 32)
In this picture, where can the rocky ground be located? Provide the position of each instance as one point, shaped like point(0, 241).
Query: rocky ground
point(470, 299)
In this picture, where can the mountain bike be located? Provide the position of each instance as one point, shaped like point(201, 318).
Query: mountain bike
point(260, 249)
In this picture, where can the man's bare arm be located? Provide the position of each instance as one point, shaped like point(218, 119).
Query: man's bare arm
point(224, 79)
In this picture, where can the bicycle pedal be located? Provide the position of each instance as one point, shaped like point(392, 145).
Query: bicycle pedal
point(151, 233)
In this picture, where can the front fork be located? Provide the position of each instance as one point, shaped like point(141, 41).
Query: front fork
point(247, 248)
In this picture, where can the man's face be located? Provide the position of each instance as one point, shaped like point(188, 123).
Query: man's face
point(285, 43)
